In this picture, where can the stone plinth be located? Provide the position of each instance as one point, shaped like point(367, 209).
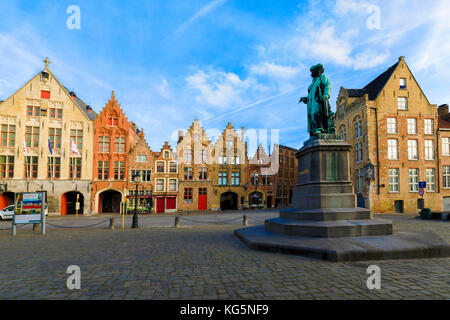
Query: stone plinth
point(324, 221)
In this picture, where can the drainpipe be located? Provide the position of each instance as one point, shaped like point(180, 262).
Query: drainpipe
point(438, 176)
point(378, 150)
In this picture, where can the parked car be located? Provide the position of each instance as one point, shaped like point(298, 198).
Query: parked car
point(8, 212)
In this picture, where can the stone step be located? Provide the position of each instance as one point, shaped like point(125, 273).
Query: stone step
point(326, 214)
point(329, 229)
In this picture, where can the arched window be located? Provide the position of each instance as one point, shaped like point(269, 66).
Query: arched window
point(358, 127)
point(343, 132)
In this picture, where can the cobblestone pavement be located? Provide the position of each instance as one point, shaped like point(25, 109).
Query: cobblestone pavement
point(201, 262)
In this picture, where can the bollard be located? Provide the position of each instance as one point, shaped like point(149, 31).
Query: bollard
point(177, 222)
point(189, 211)
point(111, 224)
point(244, 218)
point(36, 226)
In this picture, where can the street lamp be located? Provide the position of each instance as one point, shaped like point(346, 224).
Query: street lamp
point(136, 179)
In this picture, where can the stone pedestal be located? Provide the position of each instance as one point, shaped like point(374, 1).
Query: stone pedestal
point(324, 221)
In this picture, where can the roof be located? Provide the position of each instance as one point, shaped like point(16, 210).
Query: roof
point(84, 107)
point(374, 88)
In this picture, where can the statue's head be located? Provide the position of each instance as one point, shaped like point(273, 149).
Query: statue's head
point(317, 70)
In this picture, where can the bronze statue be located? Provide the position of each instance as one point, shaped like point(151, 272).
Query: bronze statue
point(320, 117)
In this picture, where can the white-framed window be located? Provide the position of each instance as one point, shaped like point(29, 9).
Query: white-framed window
point(391, 125)
point(412, 126)
point(392, 149)
point(428, 126)
point(429, 150)
point(203, 156)
point(446, 146)
point(412, 150)
point(173, 167)
point(413, 180)
point(160, 166)
point(446, 176)
point(358, 128)
point(402, 83)
point(393, 180)
point(223, 178)
point(159, 184)
point(358, 151)
point(431, 181)
point(235, 160)
point(223, 160)
point(402, 103)
point(172, 184)
point(187, 155)
point(166, 154)
point(141, 158)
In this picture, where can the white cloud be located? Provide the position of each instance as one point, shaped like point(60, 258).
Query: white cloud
point(276, 71)
point(211, 6)
point(164, 89)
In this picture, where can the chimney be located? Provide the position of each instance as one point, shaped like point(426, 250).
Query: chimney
point(242, 133)
point(443, 109)
point(180, 135)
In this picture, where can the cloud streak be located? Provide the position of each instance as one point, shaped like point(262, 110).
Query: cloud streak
point(210, 7)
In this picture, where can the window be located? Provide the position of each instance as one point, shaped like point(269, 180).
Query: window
point(188, 175)
point(230, 143)
point(223, 160)
point(146, 175)
point(413, 180)
point(223, 177)
point(359, 180)
point(30, 110)
point(6, 167)
point(195, 137)
point(32, 137)
point(188, 155)
point(141, 158)
point(343, 133)
point(8, 135)
point(55, 137)
point(166, 154)
point(160, 166)
point(235, 160)
point(77, 137)
point(358, 128)
point(254, 179)
point(54, 168)
point(393, 180)
point(412, 126)
point(119, 170)
point(103, 144)
point(75, 167)
point(56, 113)
point(402, 83)
point(429, 150)
point(266, 179)
point(392, 125)
point(402, 103)
point(188, 195)
point(103, 170)
point(202, 173)
point(358, 151)
point(431, 184)
point(446, 176)
point(113, 122)
point(446, 146)
point(31, 167)
point(119, 143)
point(392, 149)
point(173, 167)
point(159, 184)
point(172, 184)
point(428, 126)
point(412, 150)
point(235, 178)
point(45, 94)
point(203, 156)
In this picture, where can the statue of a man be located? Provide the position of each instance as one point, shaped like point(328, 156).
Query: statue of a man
point(320, 117)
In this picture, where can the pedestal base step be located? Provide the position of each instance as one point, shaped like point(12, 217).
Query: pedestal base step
point(329, 229)
point(402, 245)
point(324, 214)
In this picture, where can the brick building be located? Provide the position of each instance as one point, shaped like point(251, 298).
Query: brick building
point(194, 152)
point(260, 186)
point(392, 128)
point(43, 110)
point(285, 178)
point(114, 137)
point(443, 167)
point(141, 162)
point(165, 177)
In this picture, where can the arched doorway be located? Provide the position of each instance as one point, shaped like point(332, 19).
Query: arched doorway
point(69, 203)
point(360, 202)
point(255, 199)
point(109, 201)
point(228, 201)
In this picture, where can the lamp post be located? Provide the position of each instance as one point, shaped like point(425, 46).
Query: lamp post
point(136, 179)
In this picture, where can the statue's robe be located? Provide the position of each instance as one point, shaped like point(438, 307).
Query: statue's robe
point(318, 109)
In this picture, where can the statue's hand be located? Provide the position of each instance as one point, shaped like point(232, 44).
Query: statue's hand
point(304, 100)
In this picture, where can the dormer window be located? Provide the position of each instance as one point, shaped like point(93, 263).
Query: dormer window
point(402, 83)
point(45, 76)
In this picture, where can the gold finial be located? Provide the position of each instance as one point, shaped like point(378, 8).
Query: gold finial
point(47, 62)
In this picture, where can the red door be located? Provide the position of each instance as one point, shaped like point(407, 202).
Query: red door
point(160, 205)
point(171, 203)
point(202, 199)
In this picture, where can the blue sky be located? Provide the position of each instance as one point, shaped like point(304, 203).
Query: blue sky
point(221, 61)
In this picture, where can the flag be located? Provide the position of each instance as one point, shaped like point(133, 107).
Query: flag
point(24, 147)
point(74, 148)
point(50, 147)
